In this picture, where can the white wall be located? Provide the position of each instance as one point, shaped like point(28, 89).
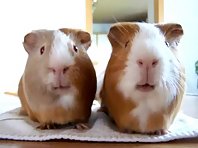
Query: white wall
point(18, 17)
point(185, 12)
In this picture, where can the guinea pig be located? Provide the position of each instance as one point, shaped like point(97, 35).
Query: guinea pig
point(144, 81)
point(58, 85)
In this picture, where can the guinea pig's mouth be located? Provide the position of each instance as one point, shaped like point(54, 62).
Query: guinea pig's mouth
point(145, 87)
point(61, 87)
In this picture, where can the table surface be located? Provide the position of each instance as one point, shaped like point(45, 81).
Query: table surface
point(182, 143)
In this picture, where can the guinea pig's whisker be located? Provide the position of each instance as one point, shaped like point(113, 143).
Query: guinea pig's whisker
point(124, 29)
point(176, 82)
point(115, 38)
point(115, 19)
point(120, 25)
point(180, 86)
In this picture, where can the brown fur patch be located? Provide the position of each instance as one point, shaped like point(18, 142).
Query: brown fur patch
point(120, 36)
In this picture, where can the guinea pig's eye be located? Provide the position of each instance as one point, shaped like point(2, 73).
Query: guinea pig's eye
point(75, 48)
point(42, 50)
point(167, 44)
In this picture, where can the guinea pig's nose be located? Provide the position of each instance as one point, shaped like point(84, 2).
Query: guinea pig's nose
point(59, 70)
point(149, 63)
point(140, 62)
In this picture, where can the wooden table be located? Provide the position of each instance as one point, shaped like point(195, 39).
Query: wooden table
point(182, 143)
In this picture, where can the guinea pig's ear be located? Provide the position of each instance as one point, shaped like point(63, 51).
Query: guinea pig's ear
point(67, 31)
point(82, 38)
point(30, 41)
point(172, 32)
point(120, 34)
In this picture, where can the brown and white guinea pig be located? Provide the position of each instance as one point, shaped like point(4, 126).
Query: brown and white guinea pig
point(144, 80)
point(59, 82)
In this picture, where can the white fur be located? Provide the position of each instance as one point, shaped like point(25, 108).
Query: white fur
point(67, 101)
point(61, 50)
point(61, 55)
point(149, 43)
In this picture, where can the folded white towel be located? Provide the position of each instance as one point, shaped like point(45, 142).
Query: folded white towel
point(15, 127)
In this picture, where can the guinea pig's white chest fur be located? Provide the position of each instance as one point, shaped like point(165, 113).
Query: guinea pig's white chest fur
point(150, 78)
point(44, 102)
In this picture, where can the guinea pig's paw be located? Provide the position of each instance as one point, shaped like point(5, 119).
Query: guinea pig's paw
point(44, 126)
point(158, 132)
point(82, 126)
point(126, 131)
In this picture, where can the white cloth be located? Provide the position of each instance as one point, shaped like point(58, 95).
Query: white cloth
point(15, 127)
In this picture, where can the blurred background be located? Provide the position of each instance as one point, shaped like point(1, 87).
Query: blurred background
point(18, 17)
